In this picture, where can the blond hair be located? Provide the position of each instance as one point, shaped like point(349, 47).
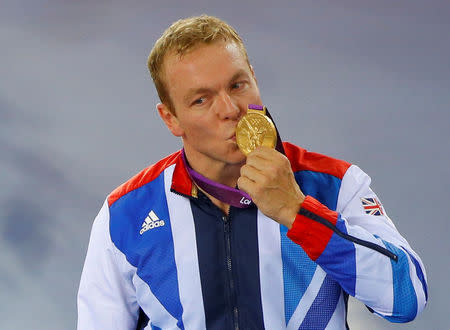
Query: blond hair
point(183, 36)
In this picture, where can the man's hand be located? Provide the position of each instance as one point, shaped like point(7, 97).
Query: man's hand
point(268, 178)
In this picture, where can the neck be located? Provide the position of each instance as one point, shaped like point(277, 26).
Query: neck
point(225, 173)
point(224, 207)
point(217, 171)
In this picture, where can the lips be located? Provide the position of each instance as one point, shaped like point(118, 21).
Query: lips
point(232, 137)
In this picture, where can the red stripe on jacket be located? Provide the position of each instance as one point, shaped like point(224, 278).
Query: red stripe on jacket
point(311, 235)
point(180, 181)
point(303, 160)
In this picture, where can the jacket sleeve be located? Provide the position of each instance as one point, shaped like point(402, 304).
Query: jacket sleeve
point(363, 252)
point(106, 296)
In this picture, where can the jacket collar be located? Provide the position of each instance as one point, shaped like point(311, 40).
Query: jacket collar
point(181, 181)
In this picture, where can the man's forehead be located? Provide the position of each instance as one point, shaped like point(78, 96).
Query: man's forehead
point(173, 57)
point(187, 65)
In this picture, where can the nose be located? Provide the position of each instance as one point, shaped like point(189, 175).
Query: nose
point(228, 108)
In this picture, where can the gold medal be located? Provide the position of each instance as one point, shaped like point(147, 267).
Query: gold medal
point(255, 129)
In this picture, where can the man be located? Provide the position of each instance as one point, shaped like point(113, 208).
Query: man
point(168, 253)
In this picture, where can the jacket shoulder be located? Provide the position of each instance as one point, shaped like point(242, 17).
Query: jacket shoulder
point(147, 175)
point(304, 160)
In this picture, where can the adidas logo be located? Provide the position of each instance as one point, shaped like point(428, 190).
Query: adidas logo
point(152, 221)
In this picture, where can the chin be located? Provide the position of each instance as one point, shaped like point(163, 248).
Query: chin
point(236, 158)
point(230, 155)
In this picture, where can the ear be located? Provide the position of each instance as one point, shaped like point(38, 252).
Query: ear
point(169, 119)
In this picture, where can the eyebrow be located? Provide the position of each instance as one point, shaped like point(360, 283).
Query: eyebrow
point(204, 90)
point(238, 75)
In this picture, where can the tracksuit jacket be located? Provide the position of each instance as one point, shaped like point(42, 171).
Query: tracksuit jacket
point(162, 256)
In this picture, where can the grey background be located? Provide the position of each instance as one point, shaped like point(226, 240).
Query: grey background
point(365, 81)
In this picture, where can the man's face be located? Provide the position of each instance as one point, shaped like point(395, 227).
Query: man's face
point(210, 88)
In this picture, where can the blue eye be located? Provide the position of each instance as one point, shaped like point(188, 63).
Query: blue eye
point(199, 101)
point(236, 85)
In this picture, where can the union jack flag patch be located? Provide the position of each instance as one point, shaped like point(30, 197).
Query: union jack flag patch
point(372, 206)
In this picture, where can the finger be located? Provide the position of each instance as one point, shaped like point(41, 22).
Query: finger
point(265, 152)
point(270, 168)
point(272, 156)
point(257, 162)
point(246, 185)
point(252, 173)
point(264, 157)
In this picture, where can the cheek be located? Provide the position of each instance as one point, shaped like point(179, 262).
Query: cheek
point(197, 130)
point(195, 125)
point(200, 126)
point(203, 132)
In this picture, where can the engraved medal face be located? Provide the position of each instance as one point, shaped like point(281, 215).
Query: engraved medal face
point(253, 130)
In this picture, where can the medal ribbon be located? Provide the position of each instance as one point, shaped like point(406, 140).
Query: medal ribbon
point(228, 195)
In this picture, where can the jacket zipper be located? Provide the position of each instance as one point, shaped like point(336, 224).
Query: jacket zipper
point(232, 291)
